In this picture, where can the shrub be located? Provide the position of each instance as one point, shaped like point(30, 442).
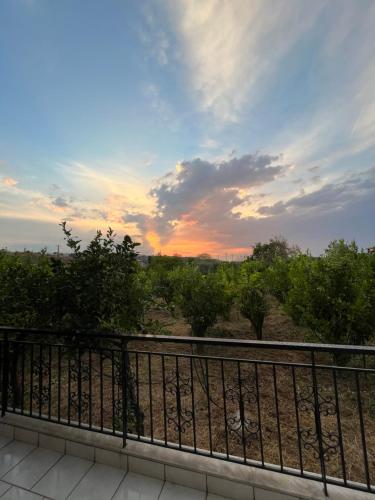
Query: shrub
point(334, 295)
point(201, 299)
point(254, 303)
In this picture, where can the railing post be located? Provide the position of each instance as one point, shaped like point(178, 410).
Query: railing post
point(5, 375)
point(124, 370)
point(318, 424)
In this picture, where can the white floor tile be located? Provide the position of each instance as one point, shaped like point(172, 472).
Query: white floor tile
point(174, 492)
point(60, 481)
point(138, 487)
point(13, 453)
point(4, 440)
point(18, 494)
point(3, 487)
point(100, 483)
point(32, 468)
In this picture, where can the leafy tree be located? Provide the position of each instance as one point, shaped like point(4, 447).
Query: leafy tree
point(164, 285)
point(334, 295)
point(100, 288)
point(201, 299)
point(276, 277)
point(254, 303)
point(277, 247)
point(25, 290)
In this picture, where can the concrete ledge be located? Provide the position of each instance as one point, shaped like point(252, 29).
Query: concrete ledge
point(240, 482)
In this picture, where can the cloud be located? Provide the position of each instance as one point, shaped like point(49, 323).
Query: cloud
point(329, 197)
point(206, 206)
point(160, 106)
point(60, 202)
point(198, 179)
point(155, 39)
point(9, 181)
point(199, 194)
point(209, 143)
point(232, 47)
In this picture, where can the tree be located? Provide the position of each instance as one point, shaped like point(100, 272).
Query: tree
point(201, 299)
point(254, 303)
point(100, 288)
point(25, 289)
point(334, 295)
point(276, 277)
point(277, 247)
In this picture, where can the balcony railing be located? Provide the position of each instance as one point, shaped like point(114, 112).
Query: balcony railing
point(302, 409)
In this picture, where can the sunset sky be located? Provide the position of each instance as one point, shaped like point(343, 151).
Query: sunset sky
point(193, 125)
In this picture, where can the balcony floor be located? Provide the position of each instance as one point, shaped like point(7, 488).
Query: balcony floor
point(31, 473)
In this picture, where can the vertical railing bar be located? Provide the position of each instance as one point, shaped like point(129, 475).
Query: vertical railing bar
point(5, 376)
point(224, 408)
point(208, 406)
point(164, 400)
point(40, 378)
point(259, 413)
point(124, 372)
point(113, 390)
point(363, 433)
point(150, 397)
point(278, 417)
point(79, 387)
point(23, 379)
point(101, 390)
point(137, 385)
point(31, 378)
point(339, 426)
point(69, 389)
point(14, 375)
point(90, 388)
point(297, 420)
point(242, 411)
point(178, 402)
point(49, 380)
point(59, 383)
point(193, 405)
point(318, 425)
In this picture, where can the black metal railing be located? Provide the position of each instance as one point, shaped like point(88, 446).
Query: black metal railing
point(302, 409)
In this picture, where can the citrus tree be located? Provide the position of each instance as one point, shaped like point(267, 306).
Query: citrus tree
point(201, 298)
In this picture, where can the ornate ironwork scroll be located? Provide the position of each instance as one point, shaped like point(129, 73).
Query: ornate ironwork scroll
point(180, 417)
point(41, 368)
point(309, 401)
point(241, 425)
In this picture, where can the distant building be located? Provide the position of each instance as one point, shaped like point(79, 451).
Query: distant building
point(371, 250)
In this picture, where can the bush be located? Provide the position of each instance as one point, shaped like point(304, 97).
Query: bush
point(25, 290)
point(277, 279)
point(334, 295)
point(254, 302)
point(100, 287)
point(201, 299)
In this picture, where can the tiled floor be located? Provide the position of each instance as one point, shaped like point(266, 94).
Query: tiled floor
point(30, 473)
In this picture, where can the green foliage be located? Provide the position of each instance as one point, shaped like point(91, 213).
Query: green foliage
point(25, 291)
point(201, 299)
point(164, 285)
point(253, 302)
point(275, 248)
point(334, 295)
point(100, 287)
point(276, 277)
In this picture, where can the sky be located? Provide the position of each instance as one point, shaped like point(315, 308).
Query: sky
point(195, 126)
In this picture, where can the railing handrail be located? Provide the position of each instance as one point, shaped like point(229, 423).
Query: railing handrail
point(214, 341)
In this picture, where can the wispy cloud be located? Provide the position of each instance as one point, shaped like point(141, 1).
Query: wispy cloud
point(9, 181)
point(232, 47)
